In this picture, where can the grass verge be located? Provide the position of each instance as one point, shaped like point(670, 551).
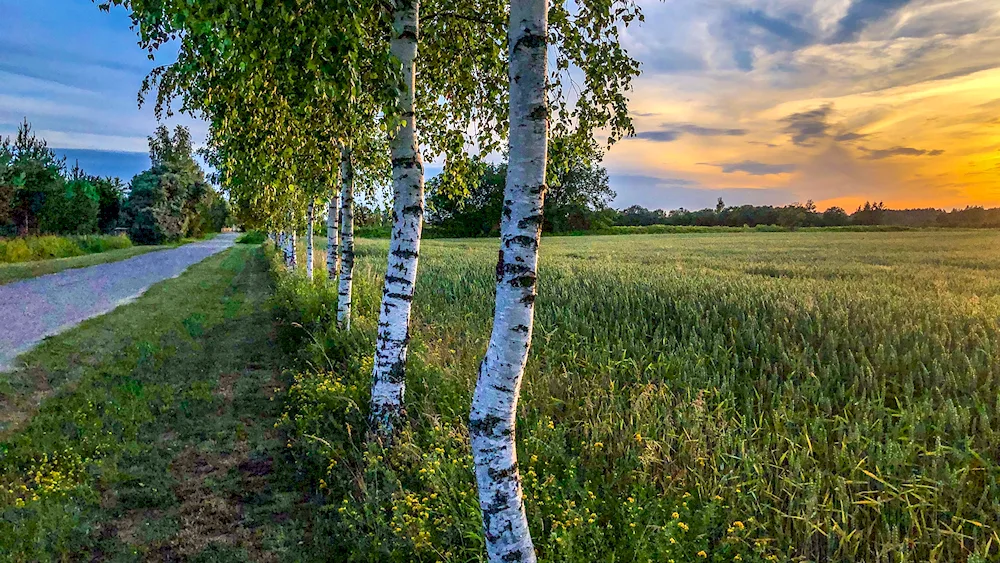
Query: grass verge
point(156, 440)
point(25, 270)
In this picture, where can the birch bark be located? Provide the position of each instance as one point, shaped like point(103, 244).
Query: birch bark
point(494, 403)
point(388, 374)
point(332, 254)
point(347, 240)
point(310, 216)
point(291, 261)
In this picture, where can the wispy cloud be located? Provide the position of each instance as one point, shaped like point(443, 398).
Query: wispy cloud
point(753, 168)
point(879, 154)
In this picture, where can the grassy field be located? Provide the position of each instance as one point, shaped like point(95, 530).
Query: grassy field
point(744, 396)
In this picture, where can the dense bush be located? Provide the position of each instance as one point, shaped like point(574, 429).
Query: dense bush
point(252, 237)
point(38, 194)
point(171, 200)
point(27, 249)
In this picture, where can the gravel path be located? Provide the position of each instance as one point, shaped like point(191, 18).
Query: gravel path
point(35, 308)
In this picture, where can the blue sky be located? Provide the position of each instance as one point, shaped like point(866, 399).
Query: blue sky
point(75, 73)
point(755, 101)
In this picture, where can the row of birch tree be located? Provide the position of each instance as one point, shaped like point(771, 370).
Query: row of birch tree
point(313, 101)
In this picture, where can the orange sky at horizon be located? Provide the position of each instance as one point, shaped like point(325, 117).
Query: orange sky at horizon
point(907, 111)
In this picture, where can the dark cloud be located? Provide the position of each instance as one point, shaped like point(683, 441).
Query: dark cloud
point(847, 137)
point(861, 14)
point(700, 131)
point(879, 154)
point(753, 168)
point(749, 29)
point(658, 136)
point(808, 125)
point(673, 131)
point(774, 33)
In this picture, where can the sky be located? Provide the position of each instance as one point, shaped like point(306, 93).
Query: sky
point(754, 101)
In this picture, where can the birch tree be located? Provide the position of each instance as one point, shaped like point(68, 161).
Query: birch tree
point(492, 419)
point(333, 233)
point(494, 403)
point(388, 374)
point(345, 285)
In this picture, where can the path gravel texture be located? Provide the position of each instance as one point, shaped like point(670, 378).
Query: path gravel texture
point(33, 309)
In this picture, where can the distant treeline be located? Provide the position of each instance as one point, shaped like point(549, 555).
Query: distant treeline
point(40, 195)
point(795, 215)
point(578, 197)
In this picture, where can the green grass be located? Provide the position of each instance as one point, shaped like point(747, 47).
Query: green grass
point(154, 437)
point(838, 394)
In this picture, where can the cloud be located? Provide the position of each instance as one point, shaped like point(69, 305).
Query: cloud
point(658, 136)
point(754, 168)
point(848, 137)
point(673, 131)
point(879, 154)
point(806, 126)
point(861, 14)
point(773, 33)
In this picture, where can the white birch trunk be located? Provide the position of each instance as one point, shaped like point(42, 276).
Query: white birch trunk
point(347, 239)
point(494, 403)
point(290, 259)
point(310, 262)
point(388, 375)
point(332, 254)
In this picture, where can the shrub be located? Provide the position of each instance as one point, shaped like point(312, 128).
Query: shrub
point(47, 247)
point(252, 237)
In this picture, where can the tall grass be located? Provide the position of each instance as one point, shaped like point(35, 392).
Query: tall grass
point(826, 396)
point(47, 247)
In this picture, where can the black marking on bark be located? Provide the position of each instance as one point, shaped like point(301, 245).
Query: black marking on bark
point(517, 269)
point(530, 221)
point(523, 240)
point(530, 41)
point(502, 388)
point(520, 328)
point(523, 281)
point(500, 266)
point(409, 35)
point(413, 209)
point(488, 425)
point(528, 299)
point(408, 162)
point(397, 372)
point(400, 296)
point(506, 473)
point(405, 254)
point(397, 279)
